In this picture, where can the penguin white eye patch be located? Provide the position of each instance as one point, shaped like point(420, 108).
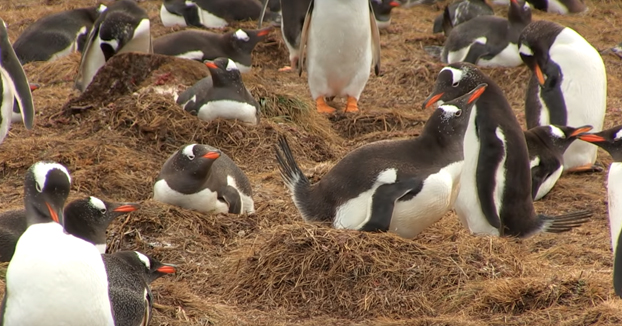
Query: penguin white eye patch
point(241, 35)
point(525, 50)
point(456, 74)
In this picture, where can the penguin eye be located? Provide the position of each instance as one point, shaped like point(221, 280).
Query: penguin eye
point(103, 210)
point(458, 113)
point(455, 84)
point(191, 157)
point(38, 187)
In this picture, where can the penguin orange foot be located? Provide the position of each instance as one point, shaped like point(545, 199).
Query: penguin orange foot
point(322, 107)
point(286, 68)
point(586, 168)
point(352, 105)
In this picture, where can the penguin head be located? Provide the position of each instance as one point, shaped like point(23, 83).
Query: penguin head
point(563, 136)
point(382, 8)
point(46, 187)
point(244, 40)
point(609, 140)
point(153, 268)
point(454, 115)
point(534, 44)
point(223, 71)
point(453, 81)
point(89, 217)
point(519, 12)
point(195, 159)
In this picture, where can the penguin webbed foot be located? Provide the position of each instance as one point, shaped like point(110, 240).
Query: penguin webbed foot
point(352, 105)
point(566, 222)
point(322, 107)
point(286, 69)
point(587, 168)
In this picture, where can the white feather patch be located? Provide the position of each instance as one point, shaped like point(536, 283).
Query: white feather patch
point(189, 151)
point(525, 50)
point(97, 203)
point(241, 35)
point(456, 74)
point(41, 170)
point(231, 65)
point(144, 259)
point(557, 132)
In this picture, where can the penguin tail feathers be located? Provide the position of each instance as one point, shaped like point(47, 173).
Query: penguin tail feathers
point(291, 173)
point(564, 223)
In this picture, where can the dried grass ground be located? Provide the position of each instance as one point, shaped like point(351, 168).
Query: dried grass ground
point(271, 268)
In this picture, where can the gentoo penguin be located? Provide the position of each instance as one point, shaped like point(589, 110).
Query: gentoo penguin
point(210, 13)
point(293, 14)
point(495, 184)
point(611, 141)
point(546, 146)
point(14, 87)
point(330, 27)
point(559, 6)
point(86, 218)
point(129, 276)
point(204, 45)
point(50, 264)
point(57, 35)
point(388, 185)
point(202, 178)
point(488, 40)
point(460, 12)
point(16, 116)
point(382, 11)
point(568, 86)
point(222, 95)
point(123, 27)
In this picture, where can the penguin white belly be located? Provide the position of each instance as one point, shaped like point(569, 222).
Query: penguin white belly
point(339, 48)
point(548, 184)
point(169, 19)
point(383, 24)
point(614, 186)
point(56, 279)
point(192, 55)
point(71, 48)
point(8, 99)
point(557, 7)
point(468, 206)
point(584, 86)
point(508, 57)
point(545, 113)
point(228, 109)
point(141, 40)
point(210, 20)
point(434, 200)
point(204, 201)
point(458, 55)
point(248, 205)
point(354, 213)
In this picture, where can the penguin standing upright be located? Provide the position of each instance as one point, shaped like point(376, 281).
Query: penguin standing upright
point(129, 275)
point(123, 27)
point(48, 262)
point(568, 86)
point(293, 14)
point(495, 185)
point(202, 178)
point(341, 42)
point(224, 97)
point(86, 218)
point(488, 40)
point(14, 87)
point(611, 141)
point(57, 35)
point(546, 146)
point(399, 186)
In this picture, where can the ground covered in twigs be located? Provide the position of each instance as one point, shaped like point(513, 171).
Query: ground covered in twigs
point(271, 268)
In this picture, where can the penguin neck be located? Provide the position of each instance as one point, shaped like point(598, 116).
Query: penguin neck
point(34, 216)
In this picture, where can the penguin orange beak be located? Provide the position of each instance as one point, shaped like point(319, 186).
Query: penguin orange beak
point(211, 65)
point(515, 1)
point(591, 138)
point(539, 74)
point(581, 130)
point(212, 155)
point(34, 87)
point(53, 213)
point(433, 100)
point(264, 31)
point(126, 208)
point(394, 4)
point(167, 269)
point(476, 94)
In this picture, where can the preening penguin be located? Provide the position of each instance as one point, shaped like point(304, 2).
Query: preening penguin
point(48, 261)
point(568, 85)
point(202, 178)
point(85, 218)
point(459, 12)
point(334, 68)
point(57, 35)
point(123, 27)
point(14, 87)
point(546, 146)
point(222, 95)
point(611, 141)
point(129, 275)
point(488, 40)
point(399, 186)
point(495, 186)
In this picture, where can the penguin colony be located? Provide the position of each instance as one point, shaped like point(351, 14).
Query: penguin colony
point(472, 155)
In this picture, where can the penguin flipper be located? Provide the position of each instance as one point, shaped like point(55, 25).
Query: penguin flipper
point(375, 39)
point(233, 199)
point(617, 269)
point(447, 24)
point(383, 203)
point(476, 51)
point(86, 53)
point(304, 38)
point(262, 13)
point(536, 180)
point(486, 190)
point(191, 16)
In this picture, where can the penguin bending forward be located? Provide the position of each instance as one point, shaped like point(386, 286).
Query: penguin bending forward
point(341, 42)
point(495, 186)
point(388, 185)
point(123, 27)
point(14, 87)
point(611, 141)
point(568, 86)
point(48, 262)
point(202, 178)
